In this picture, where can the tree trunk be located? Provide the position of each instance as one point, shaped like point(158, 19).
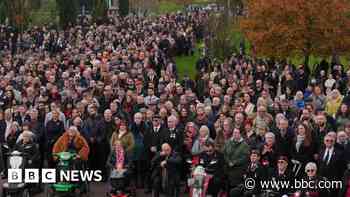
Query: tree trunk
point(306, 59)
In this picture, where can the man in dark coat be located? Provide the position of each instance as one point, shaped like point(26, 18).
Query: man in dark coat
point(173, 135)
point(165, 172)
point(38, 129)
point(108, 127)
point(53, 130)
point(139, 129)
point(152, 146)
point(331, 161)
point(283, 174)
point(95, 136)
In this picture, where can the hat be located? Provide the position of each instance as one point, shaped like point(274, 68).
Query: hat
point(157, 116)
point(283, 157)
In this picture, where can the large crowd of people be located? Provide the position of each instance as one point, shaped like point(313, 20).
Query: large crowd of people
point(112, 91)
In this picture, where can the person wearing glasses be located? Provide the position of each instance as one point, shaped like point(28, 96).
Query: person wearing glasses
point(331, 160)
point(281, 173)
point(314, 179)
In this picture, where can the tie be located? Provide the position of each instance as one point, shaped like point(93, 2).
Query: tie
point(326, 155)
point(156, 129)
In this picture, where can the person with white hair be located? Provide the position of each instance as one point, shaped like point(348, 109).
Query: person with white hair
point(311, 176)
point(173, 134)
point(25, 143)
point(72, 141)
point(202, 138)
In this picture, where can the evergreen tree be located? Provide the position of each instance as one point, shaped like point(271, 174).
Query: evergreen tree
point(123, 7)
point(68, 11)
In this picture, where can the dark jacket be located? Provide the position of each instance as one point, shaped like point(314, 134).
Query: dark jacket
point(173, 137)
point(287, 176)
point(53, 130)
point(213, 164)
point(92, 128)
point(334, 170)
point(32, 152)
point(316, 192)
point(345, 184)
point(305, 153)
point(173, 167)
point(152, 138)
point(2, 131)
point(139, 132)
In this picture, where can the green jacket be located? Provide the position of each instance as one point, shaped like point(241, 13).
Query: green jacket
point(236, 156)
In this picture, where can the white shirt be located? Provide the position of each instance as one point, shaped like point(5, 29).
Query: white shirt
point(330, 153)
point(8, 129)
point(156, 129)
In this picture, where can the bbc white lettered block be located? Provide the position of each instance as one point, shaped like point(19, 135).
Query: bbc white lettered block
point(48, 175)
point(31, 176)
point(14, 176)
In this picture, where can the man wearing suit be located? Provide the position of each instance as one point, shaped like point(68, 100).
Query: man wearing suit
point(173, 135)
point(152, 146)
point(331, 162)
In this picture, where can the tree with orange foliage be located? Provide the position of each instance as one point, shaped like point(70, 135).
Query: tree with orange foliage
point(289, 28)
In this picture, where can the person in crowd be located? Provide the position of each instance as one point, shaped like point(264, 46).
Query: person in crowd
point(331, 161)
point(302, 149)
point(314, 178)
point(284, 136)
point(101, 77)
point(281, 173)
point(345, 189)
point(125, 136)
point(173, 134)
point(165, 168)
point(27, 145)
point(333, 102)
point(152, 146)
point(236, 153)
point(199, 143)
point(72, 141)
point(254, 171)
point(53, 130)
point(318, 98)
point(139, 129)
point(96, 137)
point(213, 162)
point(269, 150)
point(342, 116)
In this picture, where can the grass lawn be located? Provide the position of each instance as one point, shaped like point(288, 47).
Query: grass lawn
point(186, 65)
point(169, 6)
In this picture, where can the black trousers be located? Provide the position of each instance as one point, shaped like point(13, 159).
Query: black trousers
point(98, 157)
point(214, 186)
point(140, 173)
point(172, 190)
point(50, 161)
point(2, 159)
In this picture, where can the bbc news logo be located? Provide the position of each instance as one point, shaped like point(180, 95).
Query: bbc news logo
point(51, 176)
